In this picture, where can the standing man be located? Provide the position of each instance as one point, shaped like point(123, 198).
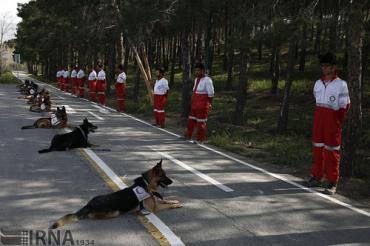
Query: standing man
point(101, 84)
point(66, 80)
point(59, 76)
point(92, 84)
point(81, 82)
point(201, 101)
point(332, 104)
point(61, 79)
point(121, 89)
point(160, 98)
point(74, 80)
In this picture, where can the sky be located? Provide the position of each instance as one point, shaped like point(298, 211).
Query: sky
point(9, 8)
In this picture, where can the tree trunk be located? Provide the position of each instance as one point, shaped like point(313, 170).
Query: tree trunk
point(319, 31)
point(209, 43)
point(173, 62)
point(333, 37)
point(230, 63)
point(126, 58)
point(185, 75)
point(241, 96)
point(275, 74)
point(302, 60)
point(354, 128)
point(284, 107)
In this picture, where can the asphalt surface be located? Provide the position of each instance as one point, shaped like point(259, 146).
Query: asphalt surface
point(225, 200)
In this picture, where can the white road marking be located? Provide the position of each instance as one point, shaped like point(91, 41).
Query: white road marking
point(196, 172)
point(101, 109)
point(95, 115)
point(332, 199)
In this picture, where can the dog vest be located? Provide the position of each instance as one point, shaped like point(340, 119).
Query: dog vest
point(54, 119)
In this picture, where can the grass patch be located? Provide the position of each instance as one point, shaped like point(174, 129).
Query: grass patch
point(8, 78)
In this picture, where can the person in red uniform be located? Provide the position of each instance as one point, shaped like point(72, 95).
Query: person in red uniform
point(101, 84)
point(201, 102)
point(121, 89)
point(81, 82)
point(66, 76)
point(332, 104)
point(160, 98)
point(59, 77)
point(92, 84)
point(74, 80)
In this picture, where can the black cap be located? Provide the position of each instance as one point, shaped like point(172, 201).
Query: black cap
point(200, 66)
point(328, 58)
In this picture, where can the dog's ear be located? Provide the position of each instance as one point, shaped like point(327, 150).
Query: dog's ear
point(58, 109)
point(64, 108)
point(159, 164)
point(86, 121)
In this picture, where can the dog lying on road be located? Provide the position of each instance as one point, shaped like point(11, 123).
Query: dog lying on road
point(142, 193)
point(57, 119)
point(75, 139)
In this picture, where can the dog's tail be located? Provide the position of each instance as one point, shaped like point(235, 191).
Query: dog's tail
point(45, 150)
point(71, 218)
point(29, 127)
point(67, 219)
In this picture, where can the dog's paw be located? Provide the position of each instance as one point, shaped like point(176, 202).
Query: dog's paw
point(171, 201)
point(177, 205)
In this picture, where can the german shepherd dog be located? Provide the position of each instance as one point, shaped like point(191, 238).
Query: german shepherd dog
point(42, 103)
point(29, 88)
point(75, 139)
point(57, 119)
point(143, 191)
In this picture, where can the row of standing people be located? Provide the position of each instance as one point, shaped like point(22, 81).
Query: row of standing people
point(202, 96)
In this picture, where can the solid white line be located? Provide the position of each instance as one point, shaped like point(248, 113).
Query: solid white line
point(146, 123)
point(95, 115)
point(196, 172)
point(164, 229)
point(334, 200)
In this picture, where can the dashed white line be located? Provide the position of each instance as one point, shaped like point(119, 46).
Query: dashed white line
point(95, 115)
point(196, 172)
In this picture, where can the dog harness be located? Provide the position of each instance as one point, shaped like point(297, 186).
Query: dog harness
point(54, 119)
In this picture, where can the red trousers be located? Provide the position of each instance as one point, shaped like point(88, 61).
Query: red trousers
point(92, 90)
point(65, 84)
point(121, 92)
point(198, 116)
point(326, 140)
point(101, 91)
point(59, 80)
point(74, 86)
point(159, 113)
point(81, 89)
point(62, 83)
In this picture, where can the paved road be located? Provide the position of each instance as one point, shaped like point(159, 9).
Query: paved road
point(226, 200)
